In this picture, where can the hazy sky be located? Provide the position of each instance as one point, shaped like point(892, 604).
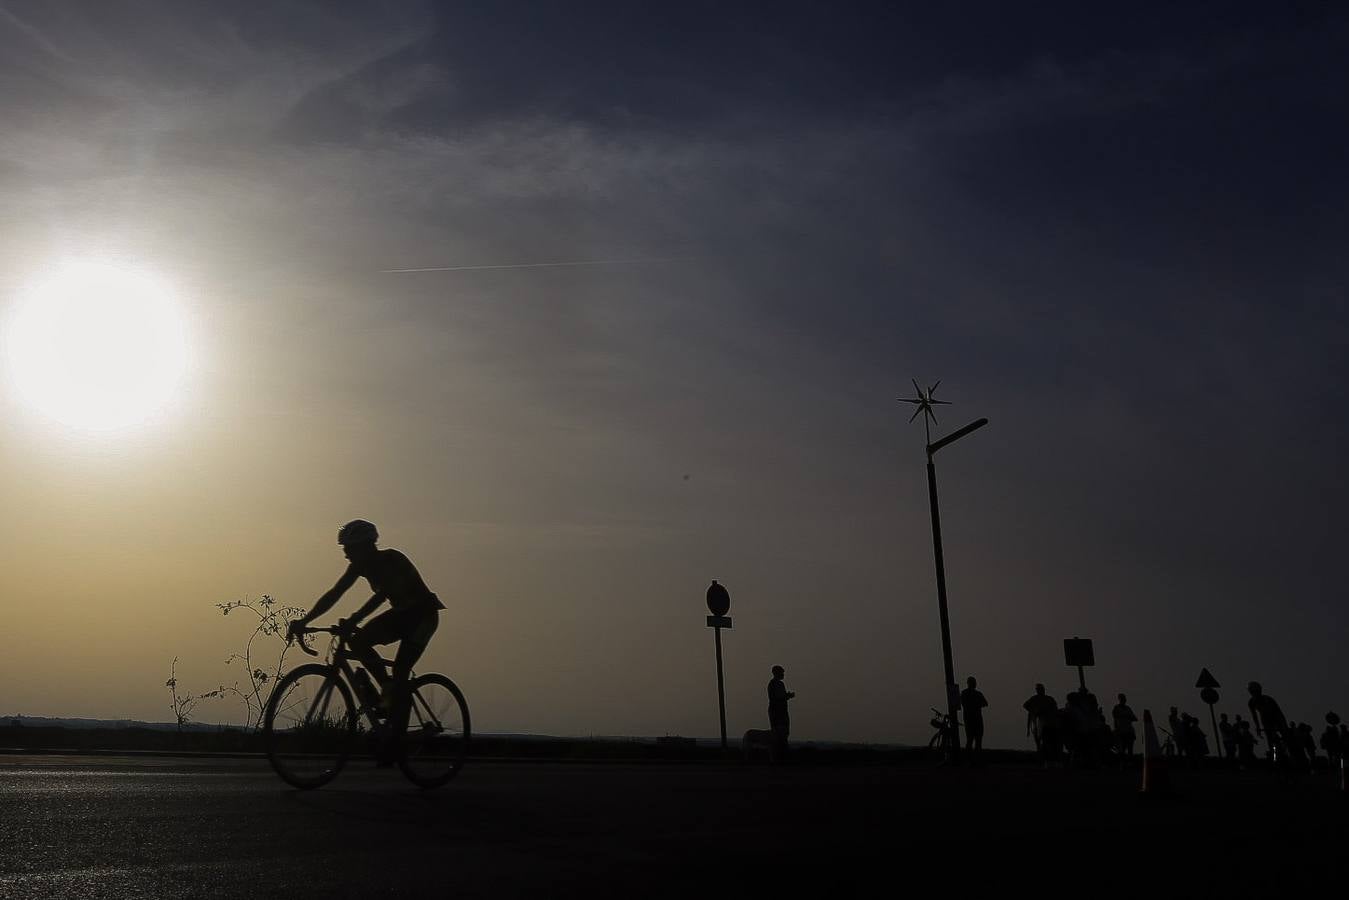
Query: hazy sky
point(1119, 234)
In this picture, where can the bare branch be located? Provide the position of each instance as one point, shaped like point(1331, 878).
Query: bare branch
point(272, 621)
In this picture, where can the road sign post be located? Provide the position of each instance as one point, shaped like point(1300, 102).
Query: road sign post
point(1208, 686)
point(719, 603)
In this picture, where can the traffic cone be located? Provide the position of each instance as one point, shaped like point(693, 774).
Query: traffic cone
point(1155, 779)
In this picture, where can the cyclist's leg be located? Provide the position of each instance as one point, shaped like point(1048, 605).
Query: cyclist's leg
point(417, 632)
point(384, 628)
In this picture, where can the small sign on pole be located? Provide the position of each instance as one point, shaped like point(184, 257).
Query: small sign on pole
point(1078, 652)
point(719, 603)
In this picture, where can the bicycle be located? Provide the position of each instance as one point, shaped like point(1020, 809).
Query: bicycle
point(311, 721)
point(942, 737)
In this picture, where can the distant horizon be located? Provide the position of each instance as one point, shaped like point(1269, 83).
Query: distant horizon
point(108, 724)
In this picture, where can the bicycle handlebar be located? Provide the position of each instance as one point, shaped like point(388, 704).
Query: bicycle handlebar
point(328, 629)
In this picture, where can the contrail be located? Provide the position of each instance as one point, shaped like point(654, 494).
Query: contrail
point(543, 265)
point(36, 36)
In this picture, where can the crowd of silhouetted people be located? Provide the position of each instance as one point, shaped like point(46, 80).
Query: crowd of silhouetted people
point(1079, 734)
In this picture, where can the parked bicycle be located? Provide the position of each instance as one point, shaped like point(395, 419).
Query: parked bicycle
point(312, 721)
point(943, 738)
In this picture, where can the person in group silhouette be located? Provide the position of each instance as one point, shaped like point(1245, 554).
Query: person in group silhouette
point(1124, 720)
point(1228, 735)
point(1245, 741)
point(1297, 750)
point(1330, 740)
point(1177, 730)
point(1269, 721)
point(1042, 715)
point(1196, 742)
point(972, 703)
point(412, 620)
point(1305, 737)
point(1082, 722)
point(778, 719)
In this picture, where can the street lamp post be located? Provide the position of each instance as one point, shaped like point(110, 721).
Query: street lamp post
point(925, 402)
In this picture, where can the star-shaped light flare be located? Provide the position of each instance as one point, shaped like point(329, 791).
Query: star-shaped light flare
point(924, 402)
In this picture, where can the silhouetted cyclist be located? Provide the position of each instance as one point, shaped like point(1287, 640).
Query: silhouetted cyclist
point(412, 621)
point(1269, 721)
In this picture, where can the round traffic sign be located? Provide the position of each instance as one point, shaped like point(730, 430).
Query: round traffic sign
point(718, 600)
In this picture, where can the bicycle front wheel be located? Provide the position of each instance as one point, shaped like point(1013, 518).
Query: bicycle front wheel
point(309, 726)
point(436, 742)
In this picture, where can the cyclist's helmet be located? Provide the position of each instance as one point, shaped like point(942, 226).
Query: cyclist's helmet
point(357, 531)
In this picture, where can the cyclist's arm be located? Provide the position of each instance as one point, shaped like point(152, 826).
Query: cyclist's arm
point(325, 603)
point(367, 608)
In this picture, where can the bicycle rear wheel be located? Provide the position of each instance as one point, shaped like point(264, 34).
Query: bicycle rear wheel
point(436, 741)
point(310, 726)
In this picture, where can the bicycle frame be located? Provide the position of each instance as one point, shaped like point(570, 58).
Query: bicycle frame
point(309, 746)
point(943, 736)
point(340, 666)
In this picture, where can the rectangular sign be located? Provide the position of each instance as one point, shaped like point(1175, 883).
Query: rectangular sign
point(1078, 652)
point(718, 621)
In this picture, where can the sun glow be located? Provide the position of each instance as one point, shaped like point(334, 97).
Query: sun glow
point(96, 346)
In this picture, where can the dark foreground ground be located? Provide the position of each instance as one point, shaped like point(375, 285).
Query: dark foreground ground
point(89, 827)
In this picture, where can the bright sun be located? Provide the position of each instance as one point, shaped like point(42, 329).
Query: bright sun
point(97, 346)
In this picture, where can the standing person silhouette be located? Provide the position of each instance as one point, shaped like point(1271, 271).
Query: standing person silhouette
point(972, 703)
point(1042, 713)
point(1330, 740)
point(778, 719)
point(1269, 721)
point(412, 621)
point(1177, 732)
point(1125, 736)
point(1227, 734)
point(1245, 741)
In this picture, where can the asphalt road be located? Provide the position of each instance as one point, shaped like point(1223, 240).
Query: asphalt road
point(94, 827)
